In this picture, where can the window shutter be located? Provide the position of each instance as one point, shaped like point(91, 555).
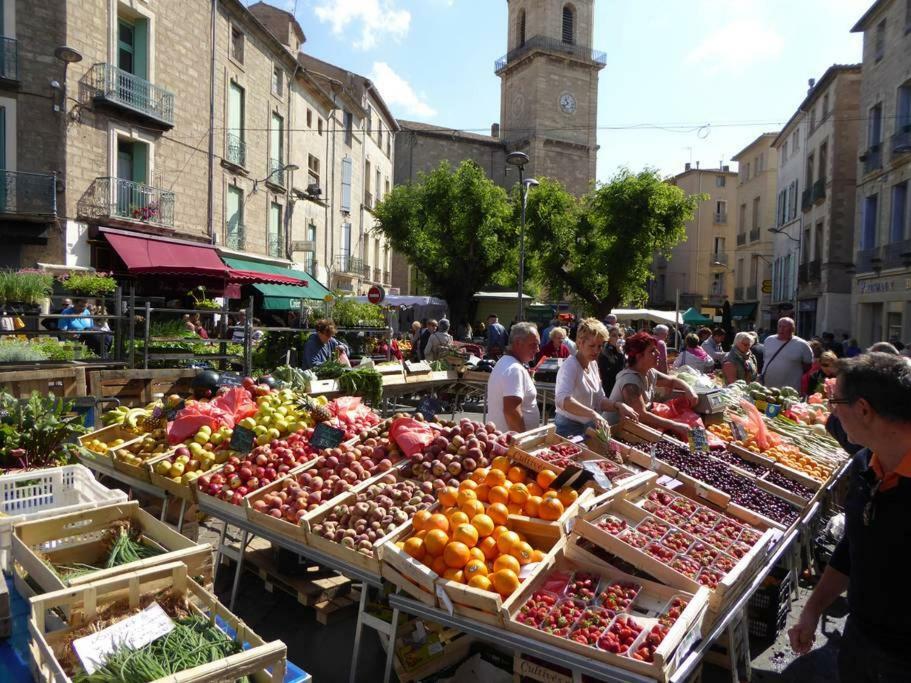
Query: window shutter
point(346, 185)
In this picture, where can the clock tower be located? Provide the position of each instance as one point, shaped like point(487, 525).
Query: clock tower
point(549, 89)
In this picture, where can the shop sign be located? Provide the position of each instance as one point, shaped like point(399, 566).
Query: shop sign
point(867, 287)
point(766, 286)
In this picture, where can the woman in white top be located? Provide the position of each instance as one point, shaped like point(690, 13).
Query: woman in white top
point(580, 397)
point(512, 400)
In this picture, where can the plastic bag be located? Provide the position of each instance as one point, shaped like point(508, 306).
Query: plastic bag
point(678, 409)
point(236, 402)
point(347, 407)
point(194, 415)
point(410, 435)
point(755, 425)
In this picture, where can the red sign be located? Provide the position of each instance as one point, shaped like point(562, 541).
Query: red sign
point(376, 294)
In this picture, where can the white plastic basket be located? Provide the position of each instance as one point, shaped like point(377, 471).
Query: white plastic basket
point(45, 493)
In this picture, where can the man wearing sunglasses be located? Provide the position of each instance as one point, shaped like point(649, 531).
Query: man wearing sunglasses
point(872, 399)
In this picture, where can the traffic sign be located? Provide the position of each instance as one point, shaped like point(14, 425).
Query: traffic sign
point(376, 294)
point(766, 286)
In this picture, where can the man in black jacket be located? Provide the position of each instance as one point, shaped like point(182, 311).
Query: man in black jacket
point(872, 400)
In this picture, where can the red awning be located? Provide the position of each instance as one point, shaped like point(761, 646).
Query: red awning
point(150, 256)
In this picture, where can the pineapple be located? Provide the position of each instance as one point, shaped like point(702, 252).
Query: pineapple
point(317, 411)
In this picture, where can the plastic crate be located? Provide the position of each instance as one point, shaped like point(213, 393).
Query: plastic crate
point(769, 606)
point(44, 493)
point(766, 628)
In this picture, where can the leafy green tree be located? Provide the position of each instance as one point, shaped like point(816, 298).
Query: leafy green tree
point(456, 227)
point(599, 248)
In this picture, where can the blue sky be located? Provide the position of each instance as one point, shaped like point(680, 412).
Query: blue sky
point(712, 74)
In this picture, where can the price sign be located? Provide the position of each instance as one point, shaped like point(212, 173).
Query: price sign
point(653, 465)
point(737, 431)
point(429, 407)
point(699, 442)
point(601, 479)
point(171, 413)
point(230, 379)
point(325, 436)
point(242, 439)
point(568, 477)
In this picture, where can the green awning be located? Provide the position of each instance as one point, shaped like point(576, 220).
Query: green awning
point(281, 297)
point(743, 311)
point(693, 317)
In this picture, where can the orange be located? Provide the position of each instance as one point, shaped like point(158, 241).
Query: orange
point(465, 495)
point(438, 565)
point(504, 582)
point(421, 533)
point(468, 484)
point(495, 478)
point(477, 554)
point(534, 489)
point(498, 494)
point(537, 555)
point(427, 561)
point(501, 462)
point(447, 496)
point(457, 517)
point(488, 546)
point(550, 493)
point(438, 521)
point(483, 493)
point(518, 493)
point(506, 562)
point(414, 546)
point(515, 474)
point(479, 474)
point(456, 554)
point(498, 512)
point(545, 478)
point(467, 534)
point(419, 522)
point(522, 551)
point(497, 530)
point(515, 508)
point(472, 508)
point(456, 575)
point(435, 541)
point(484, 524)
point(480, 581)
point(531, 506)
point(567, 496)
point(550, 509)
point(475, 567)
point(507, 540)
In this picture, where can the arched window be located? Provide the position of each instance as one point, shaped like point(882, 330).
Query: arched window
point(569, 25)
point(520, 29)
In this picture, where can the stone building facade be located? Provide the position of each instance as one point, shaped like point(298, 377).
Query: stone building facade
point(790, 144)
point(881, 293)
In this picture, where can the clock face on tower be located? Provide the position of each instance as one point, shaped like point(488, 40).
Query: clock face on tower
point(568, 103)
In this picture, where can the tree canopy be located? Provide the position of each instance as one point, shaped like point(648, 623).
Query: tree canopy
point(456, 227)
point(599, 248)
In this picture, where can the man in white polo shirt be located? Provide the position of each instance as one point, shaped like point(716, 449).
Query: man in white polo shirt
point(512, 400)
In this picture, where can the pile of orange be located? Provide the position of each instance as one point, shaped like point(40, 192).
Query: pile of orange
point(468, 540)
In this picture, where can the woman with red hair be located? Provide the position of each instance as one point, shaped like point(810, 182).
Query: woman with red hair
point(635, 385)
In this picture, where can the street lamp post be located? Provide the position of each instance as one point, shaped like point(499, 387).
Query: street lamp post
point(519, 159)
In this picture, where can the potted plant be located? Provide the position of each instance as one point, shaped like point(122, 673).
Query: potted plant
point(201, 302)
point(25, 286)
point(89, 283)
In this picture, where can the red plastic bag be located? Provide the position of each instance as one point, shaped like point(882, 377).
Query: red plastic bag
point(755, 425)
point(347, 407)
point(237, 403)
point(678, 409)
point(194, 415)
point(410, 435)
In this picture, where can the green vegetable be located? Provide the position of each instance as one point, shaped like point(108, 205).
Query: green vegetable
point(125, 548)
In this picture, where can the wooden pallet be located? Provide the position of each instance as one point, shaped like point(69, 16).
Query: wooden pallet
point(337, 609)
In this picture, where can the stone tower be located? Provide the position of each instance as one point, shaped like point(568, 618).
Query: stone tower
point(549, 89)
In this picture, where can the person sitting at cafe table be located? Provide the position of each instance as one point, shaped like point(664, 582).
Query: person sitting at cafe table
point(322, 346)
point(635, 386)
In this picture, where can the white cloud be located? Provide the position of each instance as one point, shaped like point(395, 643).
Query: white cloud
point(744, 37)
point(376, 19)
point(398, 93)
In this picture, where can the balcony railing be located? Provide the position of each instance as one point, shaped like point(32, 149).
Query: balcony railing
point(352, 265)
point(120, 88)
point(9, 59)
point(819, 190)
point(741, 239)
point(901, 141)
point(718, 260)
point(28, 194)
point(806, 199)
point(377, 275)
point(127, 200)
point(809, 272)
point(544, 43)
point(721, 217)
point(235, 236)
point(751, 292)
point(738, 293)
point(235, 150)
point(276, 175)
point(868, 260)
point(276, 245)
point(387, 277)
point(897, 254)
point(754, 235)
point(872, 158)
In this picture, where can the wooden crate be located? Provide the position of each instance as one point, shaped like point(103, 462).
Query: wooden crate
point(76, 537)
point(61, 382)
point(277, 524)
point(107, 435)
point(446, 648)
point(141, 472)
point(175, 489)
point(784, 470)
point(261, 661)
point(650, 602)
point(135, 388)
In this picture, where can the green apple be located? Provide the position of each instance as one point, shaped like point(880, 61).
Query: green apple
point(202, 437)
point(248, 423)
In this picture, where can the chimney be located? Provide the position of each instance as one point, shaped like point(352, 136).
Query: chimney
point(726, 169)
point(495, 130)
point(686, 167)
point(811, 83)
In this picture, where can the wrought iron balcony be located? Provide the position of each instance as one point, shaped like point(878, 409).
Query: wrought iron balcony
point(28, 194)
point(276, 173)
point(352, 265)
point(387, 277)
point(819, 190)
point(377, 275)
point(809, 272)
point(115, 198)
point(719, 260)
point(276, 245)
point(754, 234)
point(738, 293)
point(115, 87)
point(235, 236)
point(235, 150)
point(806, 199)
point(897, 254)
point(751, 292)
point(868, 260)
point(741, 239)
point(901, 141)
point(872, 158)
point(545, 44)
point(721, 217)
point(9, 59)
